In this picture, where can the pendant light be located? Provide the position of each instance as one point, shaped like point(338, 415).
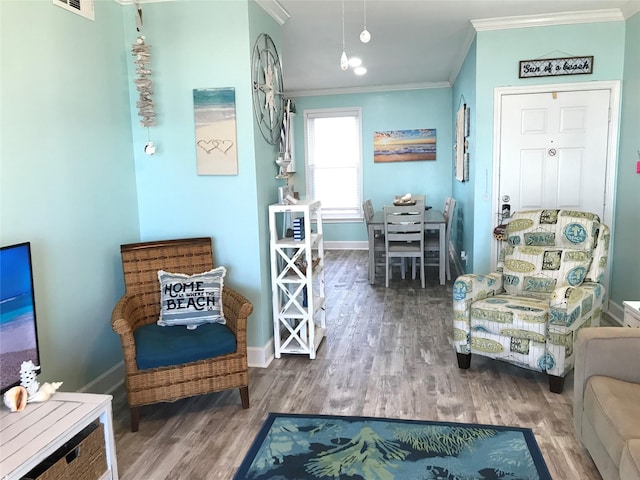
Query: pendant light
point(365, 36)
point(344, 61)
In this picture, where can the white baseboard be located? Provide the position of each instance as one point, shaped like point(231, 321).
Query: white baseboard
point(261, 357)
point(616, 312)
point(337, 245)
point(107, 383)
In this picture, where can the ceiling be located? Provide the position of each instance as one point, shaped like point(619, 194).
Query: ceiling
point(414, 43)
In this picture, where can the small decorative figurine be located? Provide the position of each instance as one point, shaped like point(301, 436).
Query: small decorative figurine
point(30, 390)
point(28, 372)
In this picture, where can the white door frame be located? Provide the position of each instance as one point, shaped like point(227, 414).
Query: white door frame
point(612, 145)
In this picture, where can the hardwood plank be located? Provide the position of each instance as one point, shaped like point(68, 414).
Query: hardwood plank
point(387, 353)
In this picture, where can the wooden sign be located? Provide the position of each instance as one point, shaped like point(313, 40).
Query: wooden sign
point(549, 67)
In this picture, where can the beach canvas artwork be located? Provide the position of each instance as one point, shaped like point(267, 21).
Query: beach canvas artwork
point(215, 128)
point(404, 145)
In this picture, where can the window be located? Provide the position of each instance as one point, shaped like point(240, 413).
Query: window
point(334, 161)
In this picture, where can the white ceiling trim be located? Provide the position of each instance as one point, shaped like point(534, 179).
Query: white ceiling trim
point(565, 18)
point(273, 8)
point(372, 89)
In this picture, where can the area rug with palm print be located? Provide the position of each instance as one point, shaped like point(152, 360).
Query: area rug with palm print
point(297, 447)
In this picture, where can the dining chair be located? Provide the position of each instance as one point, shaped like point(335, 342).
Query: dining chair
point(377, 241)
point(403, 236)
point(432, 238)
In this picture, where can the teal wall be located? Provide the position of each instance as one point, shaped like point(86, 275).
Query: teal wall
point(463, 192)
point(497, 57)
point(625, 281)
point(266, 193)
point(67, 181)
point(382, 111)
point(173, 200)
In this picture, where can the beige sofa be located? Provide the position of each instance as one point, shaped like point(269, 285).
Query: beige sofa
point(606, 406)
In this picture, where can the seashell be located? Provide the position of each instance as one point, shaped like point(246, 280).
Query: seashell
point(45, 391)
point(16, 398)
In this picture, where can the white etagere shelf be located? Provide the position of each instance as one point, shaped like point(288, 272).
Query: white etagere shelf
point(297, 279)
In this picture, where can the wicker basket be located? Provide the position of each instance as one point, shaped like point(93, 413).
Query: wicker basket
point(81, 458)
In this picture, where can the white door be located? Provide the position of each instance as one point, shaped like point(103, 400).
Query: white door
point(553, 150)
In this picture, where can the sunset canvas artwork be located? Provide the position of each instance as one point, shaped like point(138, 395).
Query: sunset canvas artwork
point(404, 145)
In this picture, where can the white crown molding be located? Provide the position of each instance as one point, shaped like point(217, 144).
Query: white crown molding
point(371, 89)
point(273, 8)
point(562, 18)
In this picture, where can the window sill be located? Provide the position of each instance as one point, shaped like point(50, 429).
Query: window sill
point(343, 220)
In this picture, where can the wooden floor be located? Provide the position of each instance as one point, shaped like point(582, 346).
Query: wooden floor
point(387, 354)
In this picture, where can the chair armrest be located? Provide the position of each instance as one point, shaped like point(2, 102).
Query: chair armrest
point(466, 290)
point(236, 311)
point(122, 317)
point(471, 287)
point(606, 351)
point(125, 318)
point(566, 303)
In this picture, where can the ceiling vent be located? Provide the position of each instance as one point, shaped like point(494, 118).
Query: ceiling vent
point(83, 8)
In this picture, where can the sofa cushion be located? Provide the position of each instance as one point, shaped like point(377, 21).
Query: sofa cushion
point(538, 271)
point(630, 461)
point(511, 328)
point(612, 407)
point(158, 346)
point(554, 228)
point(511, 316)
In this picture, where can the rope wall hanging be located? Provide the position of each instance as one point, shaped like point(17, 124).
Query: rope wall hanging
point(143, 82)
point(141, 51)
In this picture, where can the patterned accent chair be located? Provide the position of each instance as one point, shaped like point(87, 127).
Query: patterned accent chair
point(549, 284)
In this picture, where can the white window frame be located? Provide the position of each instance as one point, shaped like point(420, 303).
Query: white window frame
point(332, 215)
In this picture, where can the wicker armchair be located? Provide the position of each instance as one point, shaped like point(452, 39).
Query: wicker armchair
point(141, 306)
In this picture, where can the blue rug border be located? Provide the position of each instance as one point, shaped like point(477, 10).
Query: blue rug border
point(528, 434)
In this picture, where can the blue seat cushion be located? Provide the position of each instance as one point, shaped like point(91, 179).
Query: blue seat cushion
point(158, 346)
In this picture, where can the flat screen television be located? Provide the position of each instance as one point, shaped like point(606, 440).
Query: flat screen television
point(18, 332)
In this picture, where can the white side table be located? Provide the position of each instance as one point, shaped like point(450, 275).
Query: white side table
point(631, 314)
point(30, 436)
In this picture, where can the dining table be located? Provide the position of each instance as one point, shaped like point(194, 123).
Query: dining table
point(433, 220)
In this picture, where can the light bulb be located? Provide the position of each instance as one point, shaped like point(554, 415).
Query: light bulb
point(344, 61)
point(355, 62)
point(360, 70)
point(365, 36)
